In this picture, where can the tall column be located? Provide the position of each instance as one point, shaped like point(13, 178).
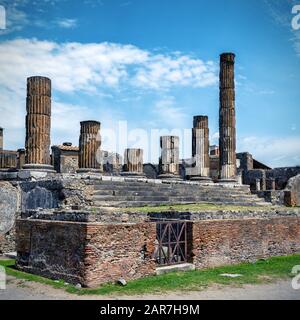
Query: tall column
point(169, 160)
point(1, 139)
point(200, 149)
point(38, 124)
point(89, 147)
point(227, 119)
point(133, 163)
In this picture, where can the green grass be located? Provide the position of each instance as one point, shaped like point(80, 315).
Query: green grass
point(197, 207)
point(261, 271)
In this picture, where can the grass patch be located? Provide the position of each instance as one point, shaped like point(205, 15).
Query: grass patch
point(198, 207)
point(261, 271)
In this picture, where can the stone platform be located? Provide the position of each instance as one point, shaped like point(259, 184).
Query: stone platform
point(118, 192)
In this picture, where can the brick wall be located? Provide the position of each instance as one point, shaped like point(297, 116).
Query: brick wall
point(221, 242)
point(86, 253)
point(119, 251)
point(94, 253)
point(51, 249)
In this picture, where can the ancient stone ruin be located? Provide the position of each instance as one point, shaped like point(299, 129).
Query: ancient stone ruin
point(87, 216)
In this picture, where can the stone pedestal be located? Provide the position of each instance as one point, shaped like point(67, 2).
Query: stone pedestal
point(169, 159)
point(200, 150)
point(89, 147)
point(133, 163)
point(227, 121)
point(38, 124)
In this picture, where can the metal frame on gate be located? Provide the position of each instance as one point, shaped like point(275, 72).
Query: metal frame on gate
point(172, 243)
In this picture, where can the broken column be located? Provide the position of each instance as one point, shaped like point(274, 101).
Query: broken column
point(200, 149)
point(257, 184)
point(169, 159)
point(89, 147)
point(227, 120)
point(1, 139)
point(21, 158)
point(133, 163)
point(38, 124)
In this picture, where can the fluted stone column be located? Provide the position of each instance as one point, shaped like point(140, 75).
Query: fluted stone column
point(1, 138)
point(169, 159)
point(133, 163)
point(200, 149)
point(227, 119)
point(38, 124)
point(89, 147)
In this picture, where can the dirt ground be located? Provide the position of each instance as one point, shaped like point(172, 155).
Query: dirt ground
point(22, 290)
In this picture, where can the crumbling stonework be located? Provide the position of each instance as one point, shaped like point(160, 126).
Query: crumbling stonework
point(169, 159)
point(293, 186)
point(133, 162)
point(65, 158)
point(9, 208)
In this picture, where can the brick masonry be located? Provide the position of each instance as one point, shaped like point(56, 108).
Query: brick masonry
point(95, 253)
point(119, 251)
point(86, 253)
point(221, 242)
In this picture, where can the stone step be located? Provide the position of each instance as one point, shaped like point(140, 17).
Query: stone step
point(160, 203)
point(158, 192)
point(174, 198)
point(146, 187)
point(99, 184)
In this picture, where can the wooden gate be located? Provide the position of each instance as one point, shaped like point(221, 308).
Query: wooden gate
point(172, 243)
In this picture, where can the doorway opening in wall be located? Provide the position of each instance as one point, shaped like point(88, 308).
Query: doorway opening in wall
point(173, 242)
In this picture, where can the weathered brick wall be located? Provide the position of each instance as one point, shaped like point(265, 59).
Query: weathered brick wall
point(221, 242)
point(119, 251)
point(86, 253)
point(51, 249)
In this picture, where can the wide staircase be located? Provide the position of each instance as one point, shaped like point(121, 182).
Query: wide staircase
point(139, 194)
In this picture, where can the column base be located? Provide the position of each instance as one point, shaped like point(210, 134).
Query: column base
point(201, 179)
point(90, 170)
point(169, 176)
point(38, 168)
point(133, 174)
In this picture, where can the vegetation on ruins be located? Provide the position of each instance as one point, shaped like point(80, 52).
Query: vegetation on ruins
point(261, 271)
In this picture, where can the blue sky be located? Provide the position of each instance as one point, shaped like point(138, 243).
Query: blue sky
point(154, 64)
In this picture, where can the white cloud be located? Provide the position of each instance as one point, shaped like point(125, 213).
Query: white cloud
point(67, 23)
point(88, 67)
point(169, 114)
point(275, 152)
point(96, 69)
